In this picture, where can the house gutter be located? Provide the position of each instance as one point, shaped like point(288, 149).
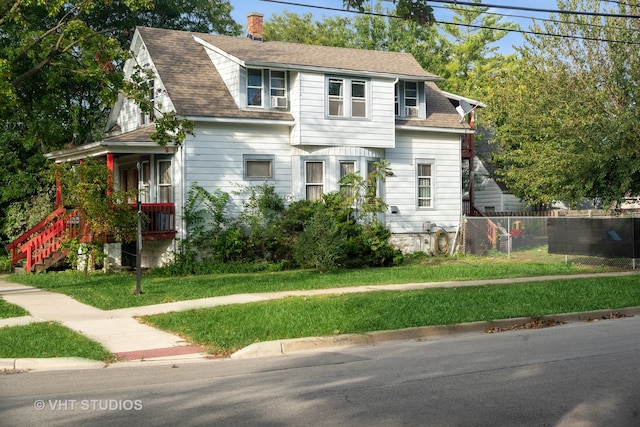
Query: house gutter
point(435, 129)
point(251, 121)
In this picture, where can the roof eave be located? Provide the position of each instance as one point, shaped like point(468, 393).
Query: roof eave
point(101, 148)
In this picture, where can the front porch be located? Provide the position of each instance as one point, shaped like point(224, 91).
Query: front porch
point(42, 246)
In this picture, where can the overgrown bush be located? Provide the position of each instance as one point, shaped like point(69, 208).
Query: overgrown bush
point(342, 230)
point(320, 244)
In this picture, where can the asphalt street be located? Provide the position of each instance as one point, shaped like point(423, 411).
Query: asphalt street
point(578, 374)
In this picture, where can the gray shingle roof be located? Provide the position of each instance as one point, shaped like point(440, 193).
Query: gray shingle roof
point(197, 89)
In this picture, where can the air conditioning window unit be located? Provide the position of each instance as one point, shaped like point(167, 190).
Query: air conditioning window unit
point(411, 111)
point(278, 102)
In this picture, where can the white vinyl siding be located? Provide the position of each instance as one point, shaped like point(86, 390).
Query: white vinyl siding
point(217, 159)
point(317, 128)
point(440, 150)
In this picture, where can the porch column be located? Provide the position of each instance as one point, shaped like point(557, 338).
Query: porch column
point(110, 168)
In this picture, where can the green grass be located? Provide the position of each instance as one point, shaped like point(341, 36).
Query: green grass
point(228, 328)
point(111, 291)
point(10, 310)
point(48, 339)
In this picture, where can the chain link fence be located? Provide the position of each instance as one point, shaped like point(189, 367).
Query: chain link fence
point(612, 242)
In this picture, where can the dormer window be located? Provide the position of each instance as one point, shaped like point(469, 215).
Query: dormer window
point(254, 87)
point(278, 86)
point(146, 118)
point(411, 99)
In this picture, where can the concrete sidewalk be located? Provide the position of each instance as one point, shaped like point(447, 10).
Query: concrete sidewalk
point(119, 332)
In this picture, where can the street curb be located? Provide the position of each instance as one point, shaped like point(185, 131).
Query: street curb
point(49, 364)
point(288, 346)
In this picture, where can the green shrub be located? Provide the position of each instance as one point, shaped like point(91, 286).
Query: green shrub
point(320, 244)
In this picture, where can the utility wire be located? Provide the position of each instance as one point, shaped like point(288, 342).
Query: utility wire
point(533, 18)
point(534, 9)
point(485, 27)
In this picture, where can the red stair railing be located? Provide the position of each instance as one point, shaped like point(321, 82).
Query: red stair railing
point(44, 238)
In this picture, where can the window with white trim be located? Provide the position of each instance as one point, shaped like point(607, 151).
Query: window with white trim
point(347, 97)
point(149, 117)
point(314, 180)
point(258, 167)
point(255, 86)
point(411, 99)
point(145, 180)
point(165, 191)
point(424, 175)
point(278, 89)
point(346, 168)
point(336, 97)
point(358, 98)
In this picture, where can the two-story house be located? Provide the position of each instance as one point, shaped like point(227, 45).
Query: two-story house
point(296, 116)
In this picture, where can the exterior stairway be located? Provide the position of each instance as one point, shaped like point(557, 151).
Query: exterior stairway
point(40, 247)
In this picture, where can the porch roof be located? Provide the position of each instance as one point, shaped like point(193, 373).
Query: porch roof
point(135, 142)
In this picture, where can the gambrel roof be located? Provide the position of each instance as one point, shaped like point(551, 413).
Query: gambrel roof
point(197, 89)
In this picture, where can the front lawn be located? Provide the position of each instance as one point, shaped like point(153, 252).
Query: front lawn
point(48, 339)
point(226, 329)
point(111, 291)
point(8, 310)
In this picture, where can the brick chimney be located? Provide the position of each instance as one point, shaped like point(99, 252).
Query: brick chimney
point(254, 26)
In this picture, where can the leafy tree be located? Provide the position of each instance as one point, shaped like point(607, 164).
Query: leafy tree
point(86, 187)
point(412, 10)
point(61, 70)
point(473, 56)
point(566, 118)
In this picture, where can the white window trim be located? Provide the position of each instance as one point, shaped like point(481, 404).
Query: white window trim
point(416, 98)
point(279, 102)
point(160, 185)
point(347, 98)
point(432, 198)
point(324, 176)
point(261, 87)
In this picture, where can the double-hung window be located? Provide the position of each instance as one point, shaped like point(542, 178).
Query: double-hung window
point(424, 175)
point(411, 99)
point(149, 116)
point(358, 98)
point(347, 97)
point(314, 180)
point(347, 168)
point(165, 192)
point(278, 88)
point(336, 97)
point(255, 85)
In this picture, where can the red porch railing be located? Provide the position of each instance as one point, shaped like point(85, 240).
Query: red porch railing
point(162, 221)
point(13, 248)
point(48, 239)
point(42, 242)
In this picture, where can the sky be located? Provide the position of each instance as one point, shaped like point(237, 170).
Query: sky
point(506, 46)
